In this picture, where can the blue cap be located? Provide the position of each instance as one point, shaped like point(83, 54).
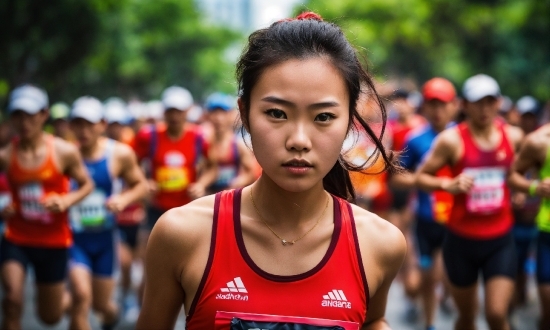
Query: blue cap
point(220, 101)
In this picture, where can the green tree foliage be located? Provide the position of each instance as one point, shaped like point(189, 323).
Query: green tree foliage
point(129, 48)
point(507, 39)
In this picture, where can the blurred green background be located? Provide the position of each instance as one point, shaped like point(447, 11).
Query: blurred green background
point(135, 48)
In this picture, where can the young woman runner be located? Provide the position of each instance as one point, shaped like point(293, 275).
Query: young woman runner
point(289, 249)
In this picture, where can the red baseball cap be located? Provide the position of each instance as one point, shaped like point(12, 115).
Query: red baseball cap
point(439, 89)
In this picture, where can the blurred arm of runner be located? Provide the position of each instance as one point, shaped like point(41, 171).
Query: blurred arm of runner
point(177, 254)
point(531, 154)
point(403, 180)
point(129, 170)
point(5, 152)
point(444, 152)
point(246, 169)
point(71, 164)
point(383, 249)
point(208, 175)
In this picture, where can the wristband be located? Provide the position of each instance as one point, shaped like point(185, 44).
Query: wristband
point(533, 187)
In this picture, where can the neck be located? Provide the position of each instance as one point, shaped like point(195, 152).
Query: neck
point(174, 132)
point(439, 128)
point(32, 143)
point(220, 135)
point(287, 209)
point(482, 131)
point(88, 152)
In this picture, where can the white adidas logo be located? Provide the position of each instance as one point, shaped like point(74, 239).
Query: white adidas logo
point(336, 298)
point(237, 286)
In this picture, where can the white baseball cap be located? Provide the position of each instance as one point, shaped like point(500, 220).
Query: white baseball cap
point(479, 86)
point(115, 111)
point(176, 97)
point(527, 104)
point(28, 98)
point(88, 108)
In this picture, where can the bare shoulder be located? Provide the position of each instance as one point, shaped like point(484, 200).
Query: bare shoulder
point(5, 153)
point(448, 138)
point(64, 148)
point(186, 227)
point(383, 239)
point(123, 151)
point(515, 134)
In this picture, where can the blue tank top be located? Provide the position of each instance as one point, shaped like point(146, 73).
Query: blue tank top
point(91, 214)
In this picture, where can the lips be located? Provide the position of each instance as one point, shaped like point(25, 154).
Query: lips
point(297, 163)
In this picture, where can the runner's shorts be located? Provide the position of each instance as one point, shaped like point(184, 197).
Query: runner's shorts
point(543, 258)
point(429, 238)
point(129, 234)
point(49, 264)
point(464, 258)
point(96, 251)
point(153, 214)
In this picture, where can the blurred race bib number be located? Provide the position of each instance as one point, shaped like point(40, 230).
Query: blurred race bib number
point(30, 197)
point(172, 179)
point(487, 194)
point(91, 211)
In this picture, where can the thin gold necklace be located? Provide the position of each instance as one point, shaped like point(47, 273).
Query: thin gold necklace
point(284, 241)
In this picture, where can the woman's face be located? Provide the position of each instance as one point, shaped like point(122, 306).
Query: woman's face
point(299, 115)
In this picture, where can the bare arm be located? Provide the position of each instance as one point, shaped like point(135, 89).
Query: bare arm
point(383, 249)
point(163, 296)
point(404, 180)
point(71, 165)
point(246, 168)
point(207, 177)
point(132, 175)
point(441, 154)
point(528, 157)
point(5, 157)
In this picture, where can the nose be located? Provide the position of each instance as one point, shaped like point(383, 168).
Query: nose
point(298, 138)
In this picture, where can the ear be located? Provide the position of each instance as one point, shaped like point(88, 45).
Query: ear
point(243, 114)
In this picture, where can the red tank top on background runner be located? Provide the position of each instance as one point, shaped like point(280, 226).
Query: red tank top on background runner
point(335, 292)
point(173, 163)
point(485, 212)
point(32, 225)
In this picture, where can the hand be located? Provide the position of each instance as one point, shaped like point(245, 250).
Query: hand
point(196, 190)
point(458, 185)
point(518, 200)
point(55, 203)
point(8, 211)
point(543, 188)
point(116, 204)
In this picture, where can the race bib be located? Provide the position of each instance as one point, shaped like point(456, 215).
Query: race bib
point(487, 194)
point(30, 198)
point(91, 211)
point(248, 321)
point(172, 178)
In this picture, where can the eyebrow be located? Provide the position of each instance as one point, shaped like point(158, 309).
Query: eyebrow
point(320, 105)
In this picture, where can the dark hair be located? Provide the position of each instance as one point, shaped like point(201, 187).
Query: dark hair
point(309, 36)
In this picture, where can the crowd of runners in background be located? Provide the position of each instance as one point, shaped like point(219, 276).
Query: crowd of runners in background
point(82, 186)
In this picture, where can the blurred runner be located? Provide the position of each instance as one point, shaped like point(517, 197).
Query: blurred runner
point(401, 211)
point(37, 231)
point(535, 153)
point(525, 206)
point(440, 106)
point(93, 255)
point(479, 234)
point(174, 150)
point(234, 159)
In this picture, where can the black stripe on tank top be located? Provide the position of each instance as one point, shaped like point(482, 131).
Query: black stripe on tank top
point(210, 257)
point(284, 278)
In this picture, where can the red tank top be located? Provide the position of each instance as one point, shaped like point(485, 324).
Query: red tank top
point(31, 224)
point(173, 163)
point(485, 212)
point(335, 292)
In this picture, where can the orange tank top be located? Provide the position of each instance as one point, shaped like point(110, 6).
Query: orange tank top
point(31, 224)
point(235, 290)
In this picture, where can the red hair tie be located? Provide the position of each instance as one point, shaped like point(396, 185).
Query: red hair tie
point(304, 16)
